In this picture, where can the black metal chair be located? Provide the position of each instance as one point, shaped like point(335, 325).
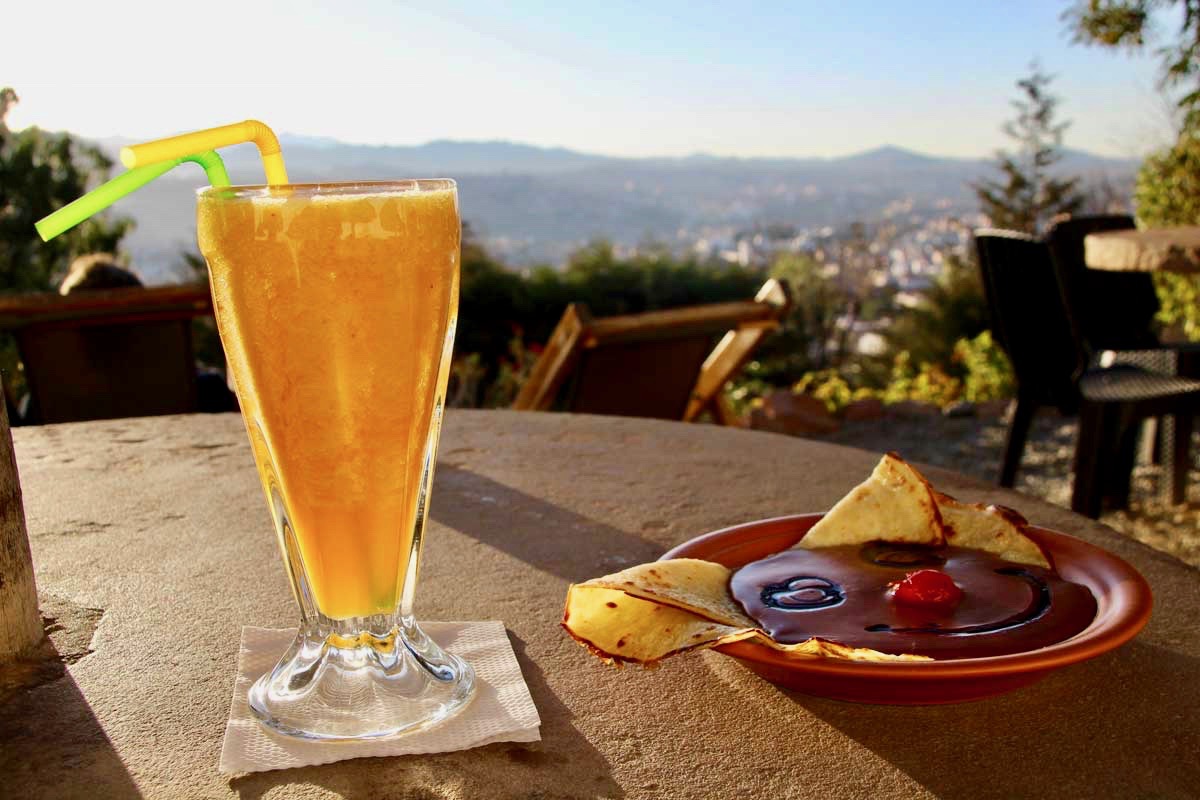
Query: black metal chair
point(1114, 311)
point(1113, 315)
point(1110, 310)
point(1051, 366)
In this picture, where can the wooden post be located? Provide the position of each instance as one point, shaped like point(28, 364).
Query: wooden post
point(20, 623)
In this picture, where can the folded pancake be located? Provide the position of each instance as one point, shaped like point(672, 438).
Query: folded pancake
point(895, 504)
point(645, 613)
point(996, 529)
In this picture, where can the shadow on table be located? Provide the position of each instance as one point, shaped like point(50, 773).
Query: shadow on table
point(564, 755)
point(53, 744)
point(541, 534)
point(563, 764)
point(1119, 726)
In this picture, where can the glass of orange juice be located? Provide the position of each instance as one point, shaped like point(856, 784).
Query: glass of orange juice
point(336, 304)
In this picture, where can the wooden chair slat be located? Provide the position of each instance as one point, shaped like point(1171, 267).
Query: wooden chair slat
point(657, 364)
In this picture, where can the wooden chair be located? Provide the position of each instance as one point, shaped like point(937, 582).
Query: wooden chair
point(659, 364)
point(107, 353)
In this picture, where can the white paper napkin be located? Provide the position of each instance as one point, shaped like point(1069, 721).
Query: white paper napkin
point(501, 711)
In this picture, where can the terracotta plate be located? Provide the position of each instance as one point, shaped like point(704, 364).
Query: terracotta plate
point(1123, 606)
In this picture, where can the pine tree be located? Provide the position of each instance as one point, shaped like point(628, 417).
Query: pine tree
point(1029, 196)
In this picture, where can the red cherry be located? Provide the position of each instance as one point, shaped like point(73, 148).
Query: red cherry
point(928, 587)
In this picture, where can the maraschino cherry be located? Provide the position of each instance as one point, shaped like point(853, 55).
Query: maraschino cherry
point(928, 588)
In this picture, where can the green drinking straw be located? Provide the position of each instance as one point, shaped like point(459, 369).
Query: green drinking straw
point(108, 193)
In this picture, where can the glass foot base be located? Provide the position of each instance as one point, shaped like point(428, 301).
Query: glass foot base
point(341, 680)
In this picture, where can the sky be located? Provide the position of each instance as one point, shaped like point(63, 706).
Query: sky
point(622, 78)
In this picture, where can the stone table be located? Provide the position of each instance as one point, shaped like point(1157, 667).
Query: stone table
point(153, 546)
point(1151, 250)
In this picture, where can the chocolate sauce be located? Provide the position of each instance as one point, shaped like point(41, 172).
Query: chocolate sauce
point(841, 594)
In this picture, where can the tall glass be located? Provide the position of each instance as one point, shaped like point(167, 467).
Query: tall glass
point(337, 304)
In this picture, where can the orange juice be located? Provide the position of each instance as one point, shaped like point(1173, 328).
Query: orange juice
point(337, 312)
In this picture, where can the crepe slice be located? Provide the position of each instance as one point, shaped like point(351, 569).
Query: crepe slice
point(895, 504)
point(646, 613)
point(996, 529)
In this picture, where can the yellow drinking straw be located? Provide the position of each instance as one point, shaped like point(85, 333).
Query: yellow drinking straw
point(250, 130)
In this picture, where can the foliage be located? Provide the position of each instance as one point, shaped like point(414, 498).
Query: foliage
point(977, 372)
point(928, 382)
point(987, 372)
point(466, 372)
point(1029, 197)
point(952, 309)
point(829, 386)
point(491, 300)
point(1168, 184)
point(651, 280)
point(1179, 302)
point(40, 172)
point(807, 339)
point(745, 391)
point(1168, 193)
point(469, 376)
point(513, 372)
point(1124, 24)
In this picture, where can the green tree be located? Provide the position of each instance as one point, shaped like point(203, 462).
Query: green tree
point(1029, 196)
point(41, 172)
point(1168, 193)
point(1126, 25)
point(1168, 183)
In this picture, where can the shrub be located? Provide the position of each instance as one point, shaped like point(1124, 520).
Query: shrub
point(987, 373)
point(978, 371)
point(928, 383)
point(828, 386)
point(1168, 193)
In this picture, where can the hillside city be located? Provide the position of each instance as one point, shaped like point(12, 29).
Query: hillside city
point(903, 253)
point(909, 250)
point(534, 206)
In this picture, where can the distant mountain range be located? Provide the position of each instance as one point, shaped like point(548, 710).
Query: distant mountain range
point(535, 204)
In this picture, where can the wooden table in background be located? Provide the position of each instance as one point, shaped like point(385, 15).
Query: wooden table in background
point(152, 547)
point(1152, 250)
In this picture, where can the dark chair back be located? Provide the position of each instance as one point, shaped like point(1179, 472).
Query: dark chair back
point(1111, 310)
point(88, 371)
point(1030, 318)
point(989, 293)
point(107, 353)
